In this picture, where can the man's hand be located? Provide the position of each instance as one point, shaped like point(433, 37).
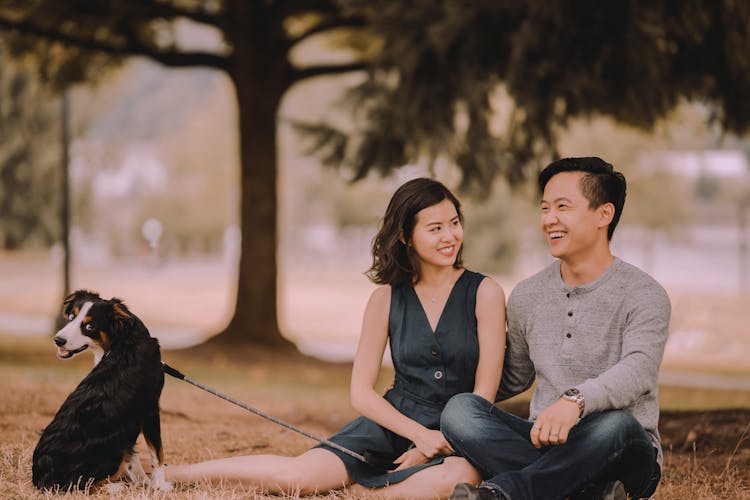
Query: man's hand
point(554, 423)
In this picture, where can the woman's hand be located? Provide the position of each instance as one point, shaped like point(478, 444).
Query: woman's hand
point(409, 458)
point(431, 443)
point(428, 444)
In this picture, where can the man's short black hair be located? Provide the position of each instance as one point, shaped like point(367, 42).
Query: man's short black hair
point(600, 184)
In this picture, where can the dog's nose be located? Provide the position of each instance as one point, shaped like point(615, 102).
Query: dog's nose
point(59, 341)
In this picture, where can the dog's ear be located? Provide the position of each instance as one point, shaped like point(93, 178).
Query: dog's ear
point(70, 298)
point(80, 294)
point(121, 312)
point(121, 315)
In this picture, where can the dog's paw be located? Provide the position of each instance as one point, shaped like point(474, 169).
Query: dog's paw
point(134, 472)
point(162, 486)
point(114, 488)
point(158, 482)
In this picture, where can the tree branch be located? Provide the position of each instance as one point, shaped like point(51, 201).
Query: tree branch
point(312, 6)
point(164, 9)
point(351, 22)
point(131, 47)
point(313, 71)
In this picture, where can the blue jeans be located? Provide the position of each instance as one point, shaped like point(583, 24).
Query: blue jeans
point(601, 447)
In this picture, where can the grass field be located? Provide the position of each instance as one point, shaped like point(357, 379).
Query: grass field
point(707, 453)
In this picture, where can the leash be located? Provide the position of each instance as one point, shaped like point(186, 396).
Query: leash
point(368, 458)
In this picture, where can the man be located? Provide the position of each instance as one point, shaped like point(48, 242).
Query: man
point(591, 330)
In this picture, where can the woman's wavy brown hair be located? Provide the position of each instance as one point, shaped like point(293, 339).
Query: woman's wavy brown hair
point(395, 262)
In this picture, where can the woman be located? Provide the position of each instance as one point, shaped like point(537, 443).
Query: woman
point(446, 329)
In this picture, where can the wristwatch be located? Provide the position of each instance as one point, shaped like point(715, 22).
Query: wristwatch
point(575, 396)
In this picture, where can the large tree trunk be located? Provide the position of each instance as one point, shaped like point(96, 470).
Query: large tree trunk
point(258, 77)
point(255, 312)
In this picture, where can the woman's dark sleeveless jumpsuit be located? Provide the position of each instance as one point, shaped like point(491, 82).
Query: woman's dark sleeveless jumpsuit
point(430, 367)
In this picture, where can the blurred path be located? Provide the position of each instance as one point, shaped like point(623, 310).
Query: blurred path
point(724, 381)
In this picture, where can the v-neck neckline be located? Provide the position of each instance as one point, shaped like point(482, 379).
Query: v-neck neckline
point(445, 306)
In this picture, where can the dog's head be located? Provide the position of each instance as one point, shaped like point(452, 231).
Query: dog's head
point(92, 322)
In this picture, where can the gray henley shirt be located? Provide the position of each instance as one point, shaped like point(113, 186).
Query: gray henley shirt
point(605, 338)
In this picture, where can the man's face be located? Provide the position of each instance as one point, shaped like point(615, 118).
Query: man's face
point(571, 228)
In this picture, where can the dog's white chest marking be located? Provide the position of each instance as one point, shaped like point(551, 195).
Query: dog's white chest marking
point(98, 354)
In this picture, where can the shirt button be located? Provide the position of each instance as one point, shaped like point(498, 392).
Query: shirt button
point(570, 313)
point(567, 294)
point(434, 350)
point(438, 375)
point(568, 335)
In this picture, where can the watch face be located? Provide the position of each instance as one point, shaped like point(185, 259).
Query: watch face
point(575, 396)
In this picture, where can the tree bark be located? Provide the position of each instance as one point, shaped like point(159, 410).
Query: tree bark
point(259, 78)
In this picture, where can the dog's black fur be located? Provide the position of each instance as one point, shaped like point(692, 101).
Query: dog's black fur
point(92, 437)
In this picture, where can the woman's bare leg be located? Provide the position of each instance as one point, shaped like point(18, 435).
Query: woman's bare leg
point(433, 482)
point(316, 470)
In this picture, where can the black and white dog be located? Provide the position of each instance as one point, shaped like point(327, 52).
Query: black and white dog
point(92, 437)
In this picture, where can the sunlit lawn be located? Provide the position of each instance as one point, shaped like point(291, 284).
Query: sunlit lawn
point(308, 393)
point(707, 454)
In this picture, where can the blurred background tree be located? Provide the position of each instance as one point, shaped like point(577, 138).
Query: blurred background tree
point(252, 42)
point(29, 168)
point(487, 86)
point(493, 85)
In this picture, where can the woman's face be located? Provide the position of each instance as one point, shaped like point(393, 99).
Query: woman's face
point(437, 235)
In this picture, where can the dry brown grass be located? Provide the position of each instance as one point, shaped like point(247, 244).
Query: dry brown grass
point(195, 425)
point(706, 453)
point(689, 476)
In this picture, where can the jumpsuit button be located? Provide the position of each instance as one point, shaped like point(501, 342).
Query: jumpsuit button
point(570, 313)
point(438, 375)
point(434, 350)
point(568, 335)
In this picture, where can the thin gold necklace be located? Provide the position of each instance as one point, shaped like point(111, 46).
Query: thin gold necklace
point(434, 297)
point(445, 288)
